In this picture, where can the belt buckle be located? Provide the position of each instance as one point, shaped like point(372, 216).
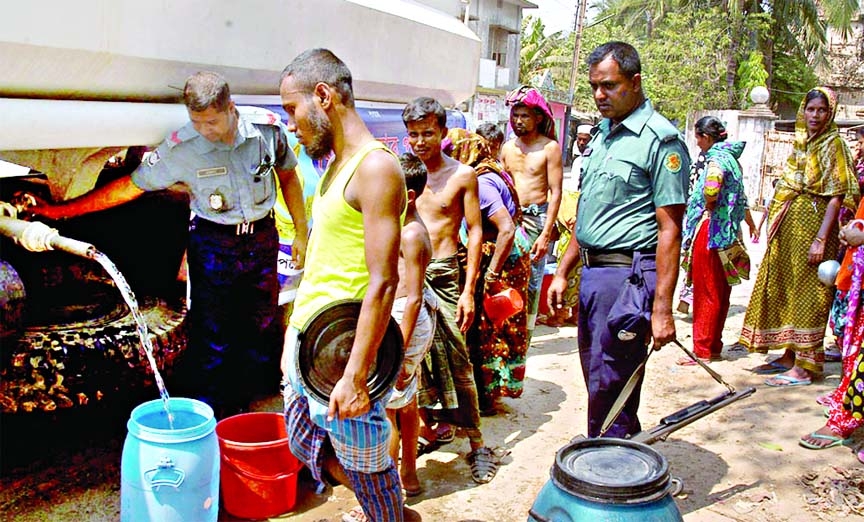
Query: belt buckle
point(245, 228)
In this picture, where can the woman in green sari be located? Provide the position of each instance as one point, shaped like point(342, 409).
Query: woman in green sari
point(789, 306)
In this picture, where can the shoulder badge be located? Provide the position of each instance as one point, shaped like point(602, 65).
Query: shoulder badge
point(152, 158)
point(673, 162)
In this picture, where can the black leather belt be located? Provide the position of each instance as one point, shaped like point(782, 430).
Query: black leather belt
point(240, 229)
point(595, 258)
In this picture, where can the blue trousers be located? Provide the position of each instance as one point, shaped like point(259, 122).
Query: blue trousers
point(234, 333)
point(608, 362)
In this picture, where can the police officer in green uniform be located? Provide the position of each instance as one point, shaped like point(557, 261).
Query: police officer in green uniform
point(628, 230)
point(227, 158)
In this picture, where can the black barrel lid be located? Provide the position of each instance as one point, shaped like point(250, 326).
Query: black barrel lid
point(325, 345)
point(610, 470)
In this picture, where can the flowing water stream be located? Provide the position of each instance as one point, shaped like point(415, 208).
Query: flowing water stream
point(140, 323)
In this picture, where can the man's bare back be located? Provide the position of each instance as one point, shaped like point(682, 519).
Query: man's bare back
point(442, 204)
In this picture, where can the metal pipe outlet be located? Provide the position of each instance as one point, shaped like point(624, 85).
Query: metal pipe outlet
point(39, 237)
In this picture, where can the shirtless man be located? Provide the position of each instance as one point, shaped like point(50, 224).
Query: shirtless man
point(533, 158)
point(414, 310)
point(450, 195)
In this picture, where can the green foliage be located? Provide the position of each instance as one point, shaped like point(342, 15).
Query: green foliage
point(698, 54)
point(751, 73)
point(793, 77)
point(592, 37)
point(684, 64)
point(539, 52)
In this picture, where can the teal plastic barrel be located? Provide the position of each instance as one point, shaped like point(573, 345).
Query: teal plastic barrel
point(607, 480)
point(170, 473)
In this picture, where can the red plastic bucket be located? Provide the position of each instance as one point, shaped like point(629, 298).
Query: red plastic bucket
point(258, 472)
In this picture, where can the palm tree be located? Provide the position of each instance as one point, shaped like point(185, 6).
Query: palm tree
point(539, 52)
point(798, 21)
point(787, 26)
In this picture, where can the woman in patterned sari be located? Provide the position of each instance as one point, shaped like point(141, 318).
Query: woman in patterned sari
point(845, 405)
point(498, 352)
point(712, 232)
point(789, 306)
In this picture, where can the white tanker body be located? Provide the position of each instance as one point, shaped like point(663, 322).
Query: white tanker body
point(83, 80)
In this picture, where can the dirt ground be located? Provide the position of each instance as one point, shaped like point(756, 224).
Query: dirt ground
point(741, 463)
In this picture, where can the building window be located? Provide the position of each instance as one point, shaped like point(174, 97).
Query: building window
point(498, 39)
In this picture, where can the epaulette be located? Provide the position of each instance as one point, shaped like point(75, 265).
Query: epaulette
point(184, 133)
point(662, 128)
point(258, 115)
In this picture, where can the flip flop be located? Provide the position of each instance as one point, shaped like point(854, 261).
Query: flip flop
point(686, 361)
point(770, 368)
point(787, 381)
point(860, 456)
point(355, 515)
point(835, 441)
point(824, 400)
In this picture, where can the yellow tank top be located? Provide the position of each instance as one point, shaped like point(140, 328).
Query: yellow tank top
point(335, 266)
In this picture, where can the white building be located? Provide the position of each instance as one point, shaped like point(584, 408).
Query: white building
point(498, 24)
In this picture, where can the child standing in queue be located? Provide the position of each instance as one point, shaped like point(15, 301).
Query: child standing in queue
point(414, 308)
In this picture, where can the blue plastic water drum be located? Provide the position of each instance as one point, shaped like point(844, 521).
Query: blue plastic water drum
point(606, 480)
point(167, 474)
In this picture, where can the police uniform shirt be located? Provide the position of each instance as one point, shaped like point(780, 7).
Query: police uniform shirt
point(627, 173)
point(228, 184)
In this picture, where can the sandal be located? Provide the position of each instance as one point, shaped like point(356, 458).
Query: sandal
point(484, 465)
point(445, 434)
point(425, 445)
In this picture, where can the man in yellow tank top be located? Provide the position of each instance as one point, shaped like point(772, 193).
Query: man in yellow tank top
point(353, 253)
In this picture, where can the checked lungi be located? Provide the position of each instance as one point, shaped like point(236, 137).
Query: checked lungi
point(360, 444)
point(448, 375)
